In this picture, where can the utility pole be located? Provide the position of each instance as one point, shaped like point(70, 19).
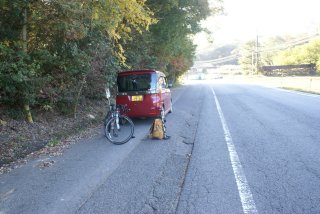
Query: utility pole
point(257, 53)
point(252, 62)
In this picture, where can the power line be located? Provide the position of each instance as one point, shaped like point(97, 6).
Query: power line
point(219, 59)
point(260, 50)
point(291, 44)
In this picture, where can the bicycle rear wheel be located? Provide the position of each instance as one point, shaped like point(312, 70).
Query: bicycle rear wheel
point(121, 135)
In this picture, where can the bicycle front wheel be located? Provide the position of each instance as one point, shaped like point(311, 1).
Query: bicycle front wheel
point(121, 133)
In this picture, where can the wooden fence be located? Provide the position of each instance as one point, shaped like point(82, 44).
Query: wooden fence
point(289, 70)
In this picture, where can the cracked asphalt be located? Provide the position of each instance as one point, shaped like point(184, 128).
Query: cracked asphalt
point(275, 133)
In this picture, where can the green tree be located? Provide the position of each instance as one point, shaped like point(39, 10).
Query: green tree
point(247, 56)
point(270, 48)
point(167, 46)
point(303, 54)
point(177, 21)
point(266, 52)
point(71, 45)
point(71, 49)
point(17, 67)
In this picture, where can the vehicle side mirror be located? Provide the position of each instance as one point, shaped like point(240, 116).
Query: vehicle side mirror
point(107, 93)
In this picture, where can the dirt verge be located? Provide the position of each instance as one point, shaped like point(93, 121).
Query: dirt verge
point(51, 132)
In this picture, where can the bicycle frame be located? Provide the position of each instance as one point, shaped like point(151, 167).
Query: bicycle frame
point(116, 124)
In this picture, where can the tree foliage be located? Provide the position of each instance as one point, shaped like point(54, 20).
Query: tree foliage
point(246, 53)
point(75, 48)
point(168, 46)
point(304, 54)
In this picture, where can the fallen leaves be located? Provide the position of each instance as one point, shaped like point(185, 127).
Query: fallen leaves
point(51, 134)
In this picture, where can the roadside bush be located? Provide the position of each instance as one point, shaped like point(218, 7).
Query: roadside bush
point(19, 77)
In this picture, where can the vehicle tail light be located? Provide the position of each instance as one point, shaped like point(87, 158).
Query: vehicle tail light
point(156, 99)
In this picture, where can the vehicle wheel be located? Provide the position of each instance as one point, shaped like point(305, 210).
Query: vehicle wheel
point(122, 135)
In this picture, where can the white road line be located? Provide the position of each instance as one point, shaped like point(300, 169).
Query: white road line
point(246, 198)
point(297, 92)
point(291, 92)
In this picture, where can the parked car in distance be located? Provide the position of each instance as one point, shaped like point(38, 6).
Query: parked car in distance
point(145, 92)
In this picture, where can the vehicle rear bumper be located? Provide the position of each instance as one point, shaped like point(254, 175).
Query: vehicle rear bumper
point(154, 112)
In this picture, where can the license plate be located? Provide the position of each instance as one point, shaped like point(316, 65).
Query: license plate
point(137, 98)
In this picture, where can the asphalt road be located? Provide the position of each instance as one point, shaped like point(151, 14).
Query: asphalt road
point(233, 149)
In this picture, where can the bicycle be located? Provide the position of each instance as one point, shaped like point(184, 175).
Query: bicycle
point(118, 128)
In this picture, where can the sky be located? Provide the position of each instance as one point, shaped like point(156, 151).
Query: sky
point(244, 19)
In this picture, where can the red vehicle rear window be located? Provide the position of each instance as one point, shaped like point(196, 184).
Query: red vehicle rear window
point(137, 82)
